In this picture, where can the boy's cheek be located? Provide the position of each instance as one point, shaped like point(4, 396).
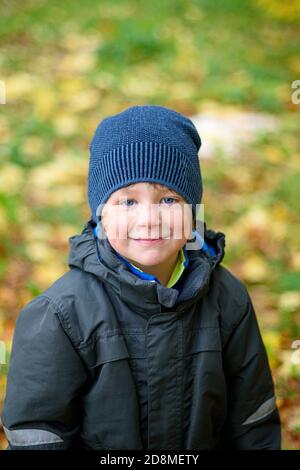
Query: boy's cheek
point(117, 232)
point(182, 230)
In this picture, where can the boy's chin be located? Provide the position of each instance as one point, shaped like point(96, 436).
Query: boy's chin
point(150, 256)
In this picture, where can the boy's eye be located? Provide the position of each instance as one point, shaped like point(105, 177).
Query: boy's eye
point(127, 202)
point(170, 198)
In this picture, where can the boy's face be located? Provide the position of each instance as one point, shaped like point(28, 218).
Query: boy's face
point(147, 223)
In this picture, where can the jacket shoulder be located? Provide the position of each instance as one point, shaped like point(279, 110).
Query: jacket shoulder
point(72, 281)
point(83, 304)
point(232, 297)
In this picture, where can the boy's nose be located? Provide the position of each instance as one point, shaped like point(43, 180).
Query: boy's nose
point(148, 213)
point(148, 221)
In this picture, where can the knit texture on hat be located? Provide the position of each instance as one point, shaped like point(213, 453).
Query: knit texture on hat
point(144, 143)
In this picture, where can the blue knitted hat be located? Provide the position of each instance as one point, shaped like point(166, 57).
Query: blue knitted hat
point(144, 143)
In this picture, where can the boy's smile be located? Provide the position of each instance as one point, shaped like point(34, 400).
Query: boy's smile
point(148, 241)
point(148, 224)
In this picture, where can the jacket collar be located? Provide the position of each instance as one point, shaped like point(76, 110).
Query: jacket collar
point(181, 264)
point(99, 258)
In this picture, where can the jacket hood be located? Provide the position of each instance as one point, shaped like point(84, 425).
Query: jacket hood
point(98, 257)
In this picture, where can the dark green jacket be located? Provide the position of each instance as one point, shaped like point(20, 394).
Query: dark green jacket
point(105, 360)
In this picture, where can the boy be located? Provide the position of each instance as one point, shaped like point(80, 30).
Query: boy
point(143, 344)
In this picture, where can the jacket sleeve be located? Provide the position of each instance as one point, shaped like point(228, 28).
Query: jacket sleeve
point(42, 406)
point(253, 421)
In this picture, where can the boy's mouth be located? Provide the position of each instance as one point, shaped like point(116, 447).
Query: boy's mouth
point(148, 241)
